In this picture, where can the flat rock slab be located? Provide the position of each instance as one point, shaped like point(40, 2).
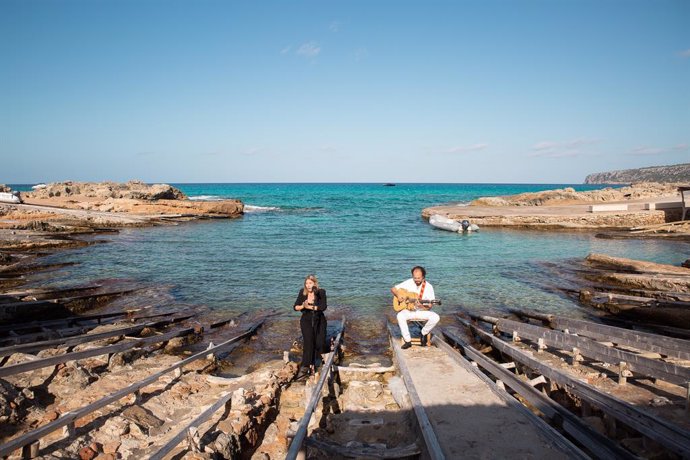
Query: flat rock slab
point(469, 419)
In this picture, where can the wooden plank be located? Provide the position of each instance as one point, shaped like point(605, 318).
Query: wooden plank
point(182, 434)
point(46, 333)
point(649, 367)
point(71, 320)
point(85, 338)
point(77, 355)
point(433, 446)
point(598, 445)
point(70, 417)
point(669, 346)
point(301, 433)
point(671, 436)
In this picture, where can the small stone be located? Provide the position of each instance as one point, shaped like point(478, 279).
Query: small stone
point(238, 398)
point(49, 416)
point(105, 457)
point(111, 447)
point(660, 401)
point(86, 453)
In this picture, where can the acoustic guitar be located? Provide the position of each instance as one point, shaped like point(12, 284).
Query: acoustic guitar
point(409, 300)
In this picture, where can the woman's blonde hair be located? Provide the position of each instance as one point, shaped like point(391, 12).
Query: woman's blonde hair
point(314, 279)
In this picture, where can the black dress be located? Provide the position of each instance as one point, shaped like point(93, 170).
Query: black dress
point(313, 325)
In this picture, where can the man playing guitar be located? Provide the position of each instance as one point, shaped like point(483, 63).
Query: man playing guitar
point(420, 310)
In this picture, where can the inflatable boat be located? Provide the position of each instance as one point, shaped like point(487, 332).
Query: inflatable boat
point(13, 197)
point(451, 225)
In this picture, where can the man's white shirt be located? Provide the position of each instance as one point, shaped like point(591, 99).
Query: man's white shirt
point(409, 285)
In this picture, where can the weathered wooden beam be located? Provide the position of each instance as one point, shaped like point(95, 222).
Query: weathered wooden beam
point(301, 433)
point(636, 363)
point(671, 436)
point(85, 338)
point(669, 346)
point(71, 416)
point(46, 333)
point(433, 447)
point(365, 370)
point(69, 321)
point(597, 444)
point(77, 355)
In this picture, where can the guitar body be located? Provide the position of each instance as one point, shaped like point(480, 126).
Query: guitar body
point(409, 301)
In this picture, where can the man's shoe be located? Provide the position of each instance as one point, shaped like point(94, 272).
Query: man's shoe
point(406, 345)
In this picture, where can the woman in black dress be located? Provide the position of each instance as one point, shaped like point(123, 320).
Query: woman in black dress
point(311, 301)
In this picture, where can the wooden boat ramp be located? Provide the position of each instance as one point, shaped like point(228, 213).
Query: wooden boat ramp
point(530, 385)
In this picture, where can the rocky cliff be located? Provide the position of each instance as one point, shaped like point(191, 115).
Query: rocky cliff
point(664, 174)
point(568, 196)
point(135, 190)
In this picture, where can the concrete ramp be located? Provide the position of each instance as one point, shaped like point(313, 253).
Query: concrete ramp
point(468, 418)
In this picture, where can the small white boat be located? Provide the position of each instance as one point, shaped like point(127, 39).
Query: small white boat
point(451, 225)
point(39, 186)
point(13, 197)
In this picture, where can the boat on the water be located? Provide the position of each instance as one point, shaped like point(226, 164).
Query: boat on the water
point(389, 184)
point(451, 225)
point(39, 186)
point(10, 197)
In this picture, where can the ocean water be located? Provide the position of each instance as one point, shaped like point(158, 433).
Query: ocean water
point(359, 239)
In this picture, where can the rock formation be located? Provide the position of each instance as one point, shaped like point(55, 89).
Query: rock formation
point(135, 190)
point(568, 196)
point(662, 174)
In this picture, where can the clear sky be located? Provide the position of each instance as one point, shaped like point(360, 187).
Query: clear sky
point(352, 91)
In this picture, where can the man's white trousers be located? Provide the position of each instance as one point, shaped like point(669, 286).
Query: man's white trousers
point(404, 316)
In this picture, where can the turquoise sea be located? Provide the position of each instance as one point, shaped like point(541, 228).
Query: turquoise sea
point(359, 239)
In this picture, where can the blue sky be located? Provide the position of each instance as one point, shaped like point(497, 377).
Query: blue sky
point(356, 91)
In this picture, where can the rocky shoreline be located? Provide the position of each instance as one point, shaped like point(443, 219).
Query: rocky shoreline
point(635, 206)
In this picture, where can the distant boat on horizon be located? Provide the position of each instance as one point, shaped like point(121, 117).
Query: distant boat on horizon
point(389, 184)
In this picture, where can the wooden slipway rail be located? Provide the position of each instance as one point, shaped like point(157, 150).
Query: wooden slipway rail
point(296, 448)
point(587, 347)
point(85, 338)
point(667, 434)
point(98, 351)
point(68, 419)
point(655, 343)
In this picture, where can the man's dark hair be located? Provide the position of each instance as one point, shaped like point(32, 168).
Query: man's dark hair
point(420, 268)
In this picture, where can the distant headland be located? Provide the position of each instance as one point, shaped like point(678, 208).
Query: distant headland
point(661, 174)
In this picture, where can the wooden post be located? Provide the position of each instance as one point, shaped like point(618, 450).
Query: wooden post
point(210, 356)
point(610, 425)
point(69, 430)
point(577, 357)
point(622, 373)
point(586, 408)
point(30, 450)
point(193, 439)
